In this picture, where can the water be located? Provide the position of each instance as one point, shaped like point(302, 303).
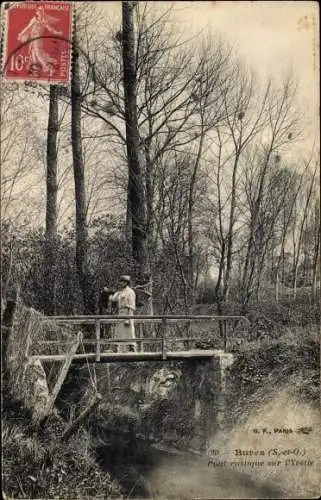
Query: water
point(147, 472)
point(162, 474)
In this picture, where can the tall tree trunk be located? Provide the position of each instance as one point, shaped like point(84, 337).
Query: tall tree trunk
point(136, 194)
point(190, 228)
point(280, 263)
point(218, 293)
point(128, 222)
point(51, 205)
point(316, 263)
point(5, 287)
point(302, 226)
point(149, 224)
point(277, 286)
point(251, 257)
point(229, 252)
point(79, 178)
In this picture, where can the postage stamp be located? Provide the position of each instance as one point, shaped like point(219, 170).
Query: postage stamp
point(37, 45)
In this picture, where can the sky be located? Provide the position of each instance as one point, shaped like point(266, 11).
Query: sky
point(270, 36)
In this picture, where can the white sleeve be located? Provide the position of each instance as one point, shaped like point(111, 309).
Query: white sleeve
point(114, 298)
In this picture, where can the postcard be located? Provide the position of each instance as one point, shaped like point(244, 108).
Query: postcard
point(160, 250)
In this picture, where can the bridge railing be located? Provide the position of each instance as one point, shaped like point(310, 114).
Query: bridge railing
point(163, 324)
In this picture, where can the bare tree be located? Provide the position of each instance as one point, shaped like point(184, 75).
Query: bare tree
point(282, 129)
point(285, 221)
point(51, 202)
point(18, 162)
point(244, 120)
point(79, 179)
point(19, 167)
point(298, 239)
point(136, 194)
point(316, 248)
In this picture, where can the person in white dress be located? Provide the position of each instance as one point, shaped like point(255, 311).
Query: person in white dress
point(126, 301)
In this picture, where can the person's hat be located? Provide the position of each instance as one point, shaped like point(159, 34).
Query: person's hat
point(125, 277)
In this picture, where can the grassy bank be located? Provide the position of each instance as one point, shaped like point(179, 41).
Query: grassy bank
point(262, 367)
point(36, 464)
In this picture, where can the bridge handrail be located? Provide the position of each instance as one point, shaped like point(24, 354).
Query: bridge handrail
point(142, 340)
point(172, 317)
point(164, 320)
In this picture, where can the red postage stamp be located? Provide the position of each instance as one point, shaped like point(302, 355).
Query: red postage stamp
point(38, 42)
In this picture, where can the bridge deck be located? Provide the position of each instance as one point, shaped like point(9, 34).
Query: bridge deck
point(109, 357)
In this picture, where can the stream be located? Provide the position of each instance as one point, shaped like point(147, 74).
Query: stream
point(147, 469)
point(153, 472)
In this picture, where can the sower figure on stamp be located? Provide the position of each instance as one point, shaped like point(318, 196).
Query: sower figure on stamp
point(34, 33)
point(126, 300)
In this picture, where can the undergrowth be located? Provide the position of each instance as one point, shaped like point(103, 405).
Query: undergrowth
point(263, 367)
point(37, 465)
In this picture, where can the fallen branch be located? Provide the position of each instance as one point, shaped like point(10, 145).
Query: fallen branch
point(79, 420)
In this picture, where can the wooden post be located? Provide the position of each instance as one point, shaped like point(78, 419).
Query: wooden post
point(75, 424)
point(189, 335)
point(63, 373)
point(140, 335)
point(108, 381)
point(7, 325)
point(97, 328)
point(164, 323)
point(225, 333)
point(6, 329)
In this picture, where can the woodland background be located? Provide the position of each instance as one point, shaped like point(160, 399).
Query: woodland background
point(181, 167)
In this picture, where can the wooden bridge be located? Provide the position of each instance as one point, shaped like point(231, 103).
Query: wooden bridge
point(29, 338)
point(160, 342)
